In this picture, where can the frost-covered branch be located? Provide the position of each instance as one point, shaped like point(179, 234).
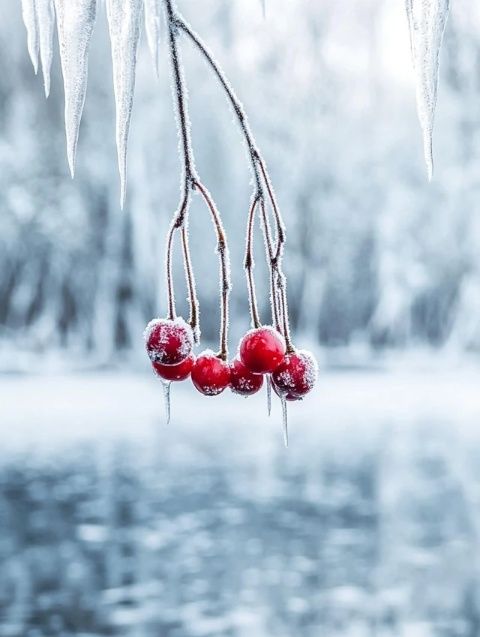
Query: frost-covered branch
point(191, 182)
point(263, 190)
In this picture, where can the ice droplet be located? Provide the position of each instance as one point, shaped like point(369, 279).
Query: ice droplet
point(124, 18)
point(426, 21)
point(284, 420)
point(269, 395)
point(154, 27)
point(75, 22)
point(46, 25)
point(29, 14)
point(166, 398)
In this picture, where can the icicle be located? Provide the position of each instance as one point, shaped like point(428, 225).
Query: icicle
point(426, 20)
point(269, 395)
point(283, 400)
point(29, 14)
point(46, 23)
point(75, 21)
point(166, 398)
point(124, 18)
point(154, 27)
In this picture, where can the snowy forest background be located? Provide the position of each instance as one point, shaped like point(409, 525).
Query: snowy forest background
point(375, 254)
point(112, 523)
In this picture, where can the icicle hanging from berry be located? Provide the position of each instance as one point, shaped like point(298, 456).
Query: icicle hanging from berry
point(172, 373)
point(283, 400)
point(166, 400)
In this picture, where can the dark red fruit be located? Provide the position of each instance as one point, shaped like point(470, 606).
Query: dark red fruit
point(262, 350)
point(175, 372)
point(296, 375)
point(210, 374)
point(168, 342)
point(242, 380)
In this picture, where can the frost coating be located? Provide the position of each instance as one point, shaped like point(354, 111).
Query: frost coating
point(75, 22)
point(154, 25)
point(46, 25)
point(426, 21)
point(29, 15)
point(124, 19)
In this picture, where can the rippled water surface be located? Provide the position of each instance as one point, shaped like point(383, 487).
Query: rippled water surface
point(113, 524)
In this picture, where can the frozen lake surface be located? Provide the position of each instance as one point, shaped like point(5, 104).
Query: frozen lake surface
point(113, 523)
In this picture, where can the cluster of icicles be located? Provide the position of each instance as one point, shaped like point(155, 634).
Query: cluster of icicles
point(75, 20)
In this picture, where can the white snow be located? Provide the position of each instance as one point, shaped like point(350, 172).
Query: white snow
point(124, 20)
point(426, 19)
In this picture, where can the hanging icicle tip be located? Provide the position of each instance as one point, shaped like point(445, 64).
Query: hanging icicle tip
point(426, 22)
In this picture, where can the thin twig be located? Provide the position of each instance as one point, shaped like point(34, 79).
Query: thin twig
point(193, 182)
point(192, 295)
point(249, 264)
point(222, 249)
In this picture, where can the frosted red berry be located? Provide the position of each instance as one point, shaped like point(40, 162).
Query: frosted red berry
point(210, 374)
point(175, 372)
point(168, 342)
point(262, 350)
point(296, 375)
point(242, 380)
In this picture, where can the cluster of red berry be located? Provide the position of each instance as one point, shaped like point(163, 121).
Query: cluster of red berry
point(262, 351)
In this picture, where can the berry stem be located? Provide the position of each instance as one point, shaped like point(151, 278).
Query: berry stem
point(249, 264)
point(224, 257)
point(274, 299)
point(192, 295)
point(178, 222)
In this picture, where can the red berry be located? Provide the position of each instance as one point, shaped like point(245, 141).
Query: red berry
point(296, 375)
point(262, 350)
point(242, 380)
point(210, 374)
point(168, 342)
point(175, 372)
